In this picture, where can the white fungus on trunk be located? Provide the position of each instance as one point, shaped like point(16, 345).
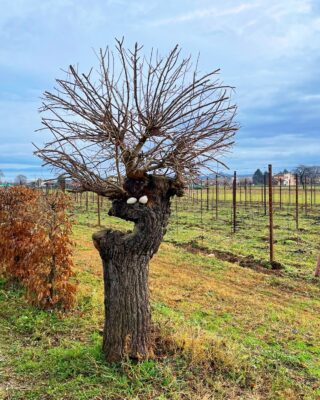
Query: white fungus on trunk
point(143, 200)
point(132, 200)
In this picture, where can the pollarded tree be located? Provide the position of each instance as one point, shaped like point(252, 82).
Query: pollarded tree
point(134, 131)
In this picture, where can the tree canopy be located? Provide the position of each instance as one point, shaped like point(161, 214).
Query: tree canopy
point(136, 115)
point(257, 177)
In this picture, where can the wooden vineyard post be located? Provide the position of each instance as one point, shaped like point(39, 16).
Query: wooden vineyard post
point(305, 195)
point(280, 194)
point(245, 193)
point(217, 196)
point(207, 194)
point(99, 216)
point(271, 215)
point(197, 196)
point(289, 191)
point(265, 193)
point(177, 215)
point(201, 198)
point(297, 201)
point(87, 201)
point(234, 201)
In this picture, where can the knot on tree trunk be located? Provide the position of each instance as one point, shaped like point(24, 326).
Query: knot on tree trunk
point(150, 226)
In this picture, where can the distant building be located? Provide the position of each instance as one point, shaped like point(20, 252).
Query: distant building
point(316, 180)
point(285, 178)
point(245, 180)
point(211, 180)
point(73, 185)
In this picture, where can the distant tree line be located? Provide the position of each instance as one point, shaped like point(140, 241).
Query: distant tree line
point(20, 180)
point(307, 172)
point(303, 172)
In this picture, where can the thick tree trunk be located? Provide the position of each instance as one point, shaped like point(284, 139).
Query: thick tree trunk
point(126, 259)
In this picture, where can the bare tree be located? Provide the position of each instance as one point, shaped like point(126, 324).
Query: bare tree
point(20, 180)
point(307, 172)
point(1, 175)
point(135, 130)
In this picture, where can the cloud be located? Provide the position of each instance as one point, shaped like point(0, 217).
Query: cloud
point(268, 50)
point(198, 14)
point(282, 151)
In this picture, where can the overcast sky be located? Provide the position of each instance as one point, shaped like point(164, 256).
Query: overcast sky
point(268, 50)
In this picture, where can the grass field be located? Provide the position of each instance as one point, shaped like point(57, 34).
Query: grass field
point(223, 331)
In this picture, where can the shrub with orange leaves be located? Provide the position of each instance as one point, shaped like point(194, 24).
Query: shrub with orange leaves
point(49, 285)
point(18, 207)
point(35, 245)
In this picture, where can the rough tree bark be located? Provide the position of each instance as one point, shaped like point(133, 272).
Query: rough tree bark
point(125, 258)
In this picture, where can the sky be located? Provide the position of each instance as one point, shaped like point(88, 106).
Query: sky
point(268, 50)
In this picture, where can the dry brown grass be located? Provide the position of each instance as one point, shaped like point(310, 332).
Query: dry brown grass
point(245, 305)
